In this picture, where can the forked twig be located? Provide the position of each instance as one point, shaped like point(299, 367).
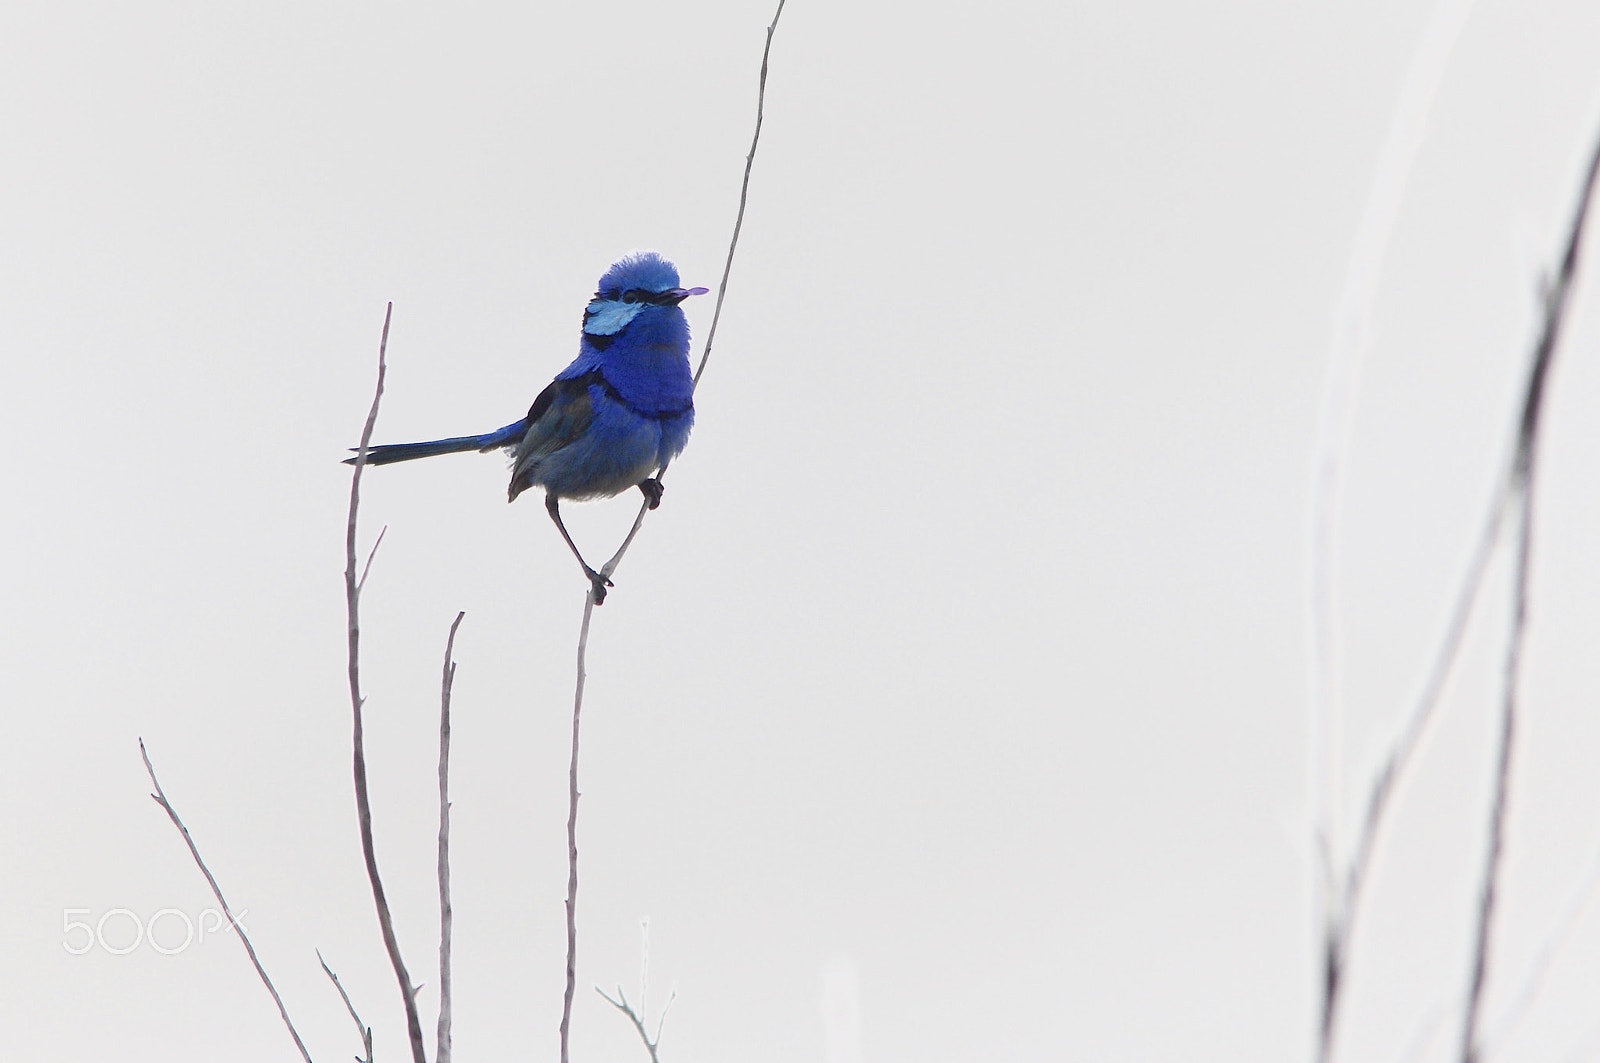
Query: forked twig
point(620, 1001)
point(352, 598)
point(361, 1028)
point(610, 567)
point(160, 798)
point(441, 1052)
point(1521, 490)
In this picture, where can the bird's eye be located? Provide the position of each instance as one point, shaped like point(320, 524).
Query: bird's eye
point(631, 295)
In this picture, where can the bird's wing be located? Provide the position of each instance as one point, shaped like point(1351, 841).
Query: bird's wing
point(558, 416)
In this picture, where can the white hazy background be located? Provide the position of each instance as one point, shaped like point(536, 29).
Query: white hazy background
point(954, 705)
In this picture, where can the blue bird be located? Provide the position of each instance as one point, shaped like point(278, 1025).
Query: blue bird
point(614, 417)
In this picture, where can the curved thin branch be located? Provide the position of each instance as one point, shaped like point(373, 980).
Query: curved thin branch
point(744, 194)
point(1347, 904)
point(160, 798)
point(1348, 355)
point(610, 567)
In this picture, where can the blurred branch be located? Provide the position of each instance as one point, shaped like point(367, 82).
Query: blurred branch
point(1520, 489)
point(1346, 904)
point(362, 1028)
point(352, 597)
point(1347, 357)
point(446, 913)
point(1554, 945)
point(160, 798)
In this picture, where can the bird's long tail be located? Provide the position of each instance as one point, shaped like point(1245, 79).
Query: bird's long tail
point(392, 452)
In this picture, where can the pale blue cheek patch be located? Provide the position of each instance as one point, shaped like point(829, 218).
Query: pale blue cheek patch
point(606, 317)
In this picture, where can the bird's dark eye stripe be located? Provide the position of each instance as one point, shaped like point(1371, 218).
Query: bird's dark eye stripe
point(634, 295)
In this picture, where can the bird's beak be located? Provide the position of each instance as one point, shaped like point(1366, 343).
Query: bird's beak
point(678, 295)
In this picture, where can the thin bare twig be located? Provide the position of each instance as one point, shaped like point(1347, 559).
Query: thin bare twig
point(1347, 904)
point(160, 798)
point(352, 598)
point(744, 194)
point(620, 1002)
point(1521, 489)
point(362, 1028)
point(441, 1052)
point(1348, 354)
point(610, 567)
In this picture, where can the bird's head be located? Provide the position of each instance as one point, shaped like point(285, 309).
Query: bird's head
point(635, 284)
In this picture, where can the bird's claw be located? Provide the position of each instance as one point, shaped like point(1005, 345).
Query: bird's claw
point(598, 583)
point(652, 489)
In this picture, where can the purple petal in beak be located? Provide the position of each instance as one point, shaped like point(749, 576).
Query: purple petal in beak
point(674, 296)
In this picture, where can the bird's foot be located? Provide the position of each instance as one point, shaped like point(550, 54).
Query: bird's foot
point(598, 584)
point(652, 489)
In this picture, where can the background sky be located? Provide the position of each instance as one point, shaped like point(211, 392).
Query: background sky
point(960, 683)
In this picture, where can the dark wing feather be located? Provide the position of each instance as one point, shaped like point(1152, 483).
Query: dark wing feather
point(560, 414)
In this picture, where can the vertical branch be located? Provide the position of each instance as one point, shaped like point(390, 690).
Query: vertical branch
point(352, 598)
point(1521, 489)
point(610, 567)
point(572, 833)
point(160, 798)
point(441, 1053)
point(1470, 1037)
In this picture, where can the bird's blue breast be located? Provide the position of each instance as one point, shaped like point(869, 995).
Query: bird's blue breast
point(646, 363)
